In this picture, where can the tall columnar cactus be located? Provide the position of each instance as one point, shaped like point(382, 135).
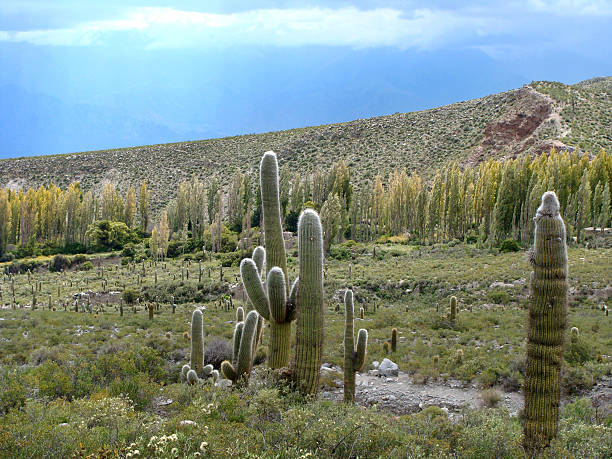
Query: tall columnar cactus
point(354, 358)
point(393, 339)
point(453, 308)
point(197, 342)
point(271, 302)
point(308, 292)
point(547, 321)
point(243, 352)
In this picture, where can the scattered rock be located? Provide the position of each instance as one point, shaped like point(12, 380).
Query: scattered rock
point(388, 368)
point(187, 422)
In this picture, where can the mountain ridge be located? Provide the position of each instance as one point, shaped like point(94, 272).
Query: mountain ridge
point(527, 120)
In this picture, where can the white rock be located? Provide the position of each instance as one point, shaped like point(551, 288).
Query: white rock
point(223, 383)
point(375, 364)
point(187, 422)
point(388, 368)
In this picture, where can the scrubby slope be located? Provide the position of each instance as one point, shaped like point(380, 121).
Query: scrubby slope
point(529, 119)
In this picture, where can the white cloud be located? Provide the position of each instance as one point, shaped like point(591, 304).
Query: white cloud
point(172, 28)
point(572, 7)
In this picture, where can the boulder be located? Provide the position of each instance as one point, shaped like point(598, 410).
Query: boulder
point(388, 368)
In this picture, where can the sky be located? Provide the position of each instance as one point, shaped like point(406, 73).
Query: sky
point(92, 75)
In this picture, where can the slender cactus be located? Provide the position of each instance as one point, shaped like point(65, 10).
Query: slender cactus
point(197, 342)
point(453, 308)
point(353, 358)
point(547, 322)
point(309, 303)
point(393, 339)
point(244, 335)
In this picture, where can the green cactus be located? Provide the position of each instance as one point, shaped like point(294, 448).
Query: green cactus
point(184, 371)
point(361, 313)
point(271, 214)
point(386, 347)
point(151, 309)
point(192, 377)
point(197, 342)
point(239, 314)
point(354, 358)
point(393, 339)
point(269, 302)
point(259, 257)
point(453, 308)
point(244, 334)
point(547, 321)
point(308, 291)
point(574, 334)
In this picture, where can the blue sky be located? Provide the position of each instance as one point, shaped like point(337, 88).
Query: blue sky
point(78, 75)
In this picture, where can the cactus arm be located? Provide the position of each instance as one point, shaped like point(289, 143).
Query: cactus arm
point(259, 257)
point(309, 330)
point(254, 287)
point(245, 353)
point(228, 371)
point(360, 353)
point(237, 338)
point(271, 210)
point(292, 301)
point(277, 294)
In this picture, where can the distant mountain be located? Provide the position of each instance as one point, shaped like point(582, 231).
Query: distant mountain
point(76, 100)
point(531, 119)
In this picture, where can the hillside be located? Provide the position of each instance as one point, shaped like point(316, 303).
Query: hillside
point(530, 119)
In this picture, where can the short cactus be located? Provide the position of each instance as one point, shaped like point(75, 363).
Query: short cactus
point(361, 312)
point(244, 334)
point(386, 347)
point(354, 358)
point(393, 339)
point(192, 377)
point(574, 334)
point(453, 308)
point(151, 309)
point(547, 321)
point(239, 314)
point(184, 371)
point(197, 342)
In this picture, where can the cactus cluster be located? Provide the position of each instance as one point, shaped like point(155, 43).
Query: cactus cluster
point(547, 321)
point(274, 300)
point(354, 357)
point(190, 376)
point(245, 345)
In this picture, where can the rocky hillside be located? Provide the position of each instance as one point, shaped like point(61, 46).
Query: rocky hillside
point(530, 119)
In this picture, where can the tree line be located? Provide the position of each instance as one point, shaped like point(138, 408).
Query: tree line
point(489, 203)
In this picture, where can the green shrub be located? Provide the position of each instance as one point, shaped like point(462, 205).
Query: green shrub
point(59, 263)
point(130, 295)
point(509, 245)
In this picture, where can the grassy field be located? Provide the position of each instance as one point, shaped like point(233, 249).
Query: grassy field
point(97, 383)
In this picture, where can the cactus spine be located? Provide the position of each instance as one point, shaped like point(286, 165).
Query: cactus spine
point(244, 334)
point(354, 358)
point(197, 342)
point(393, 339)
point(309, 303)
point(453, 308)
point(547, 321)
